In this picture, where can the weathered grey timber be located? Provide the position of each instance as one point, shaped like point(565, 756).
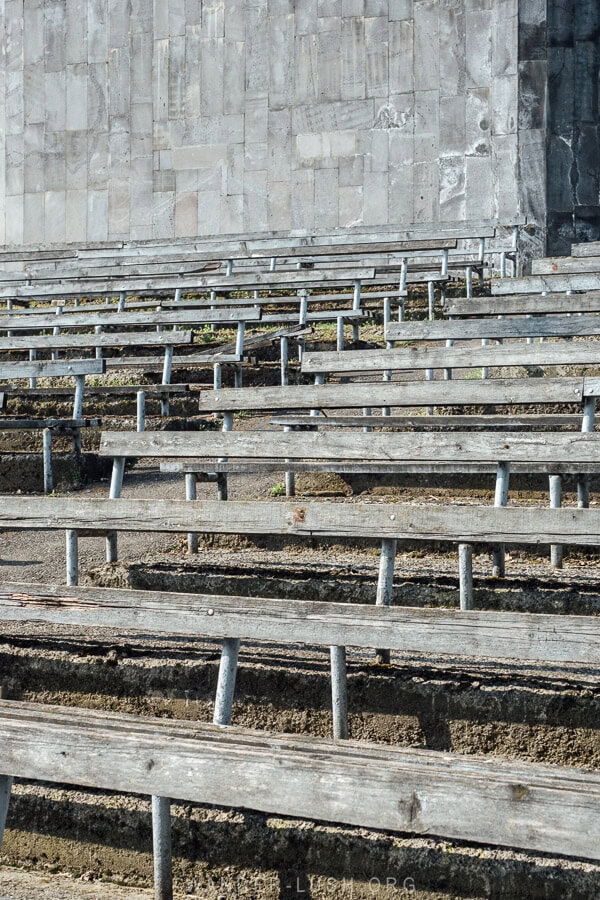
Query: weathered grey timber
point(550, 353)
point(51, 368)
point(565, 265)
point(106, 339)
point(523, 304)
point(472, 329)
point(164, 284)
point(536, 284)
point(590, 248)
point(457, 392)
point(465, 524)
point(489, 422)
point(525, 805)
point(461, 449)
point(403, 629)
point(132, 318)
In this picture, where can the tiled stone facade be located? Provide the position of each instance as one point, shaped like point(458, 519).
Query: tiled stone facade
point(139, 119)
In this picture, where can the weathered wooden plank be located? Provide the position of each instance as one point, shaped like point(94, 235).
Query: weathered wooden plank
point(101, 390)
point(522, 636)
point(57, 425)
point(535, 284)
point(545, 808)
point(205, 358)
point(523, 304)
point(591, 248)
point(464, 391)
point(106, 339)
point(463, 524)
point(434, 422)
point(535, 447)
point(369, 467)
point(473, 329)
point(48, 367)
point(565, 265)
point(161, 284)
point(550, 353)
point(133, 318)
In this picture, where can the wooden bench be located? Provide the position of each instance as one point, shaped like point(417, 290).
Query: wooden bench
point(524, 304)
point(352, 783)
point(75, 368)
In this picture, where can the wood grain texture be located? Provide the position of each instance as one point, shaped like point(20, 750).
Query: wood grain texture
point(488, 422)
point(496, 391)
point(523, 304)
point(504, 635)
point(463, 524)
point(551, 353)
point(387, 447)
point(52, 368)
point(551, 809)
point(131, 319)
point(535, 284)
point(474, 329)
point(111, 339)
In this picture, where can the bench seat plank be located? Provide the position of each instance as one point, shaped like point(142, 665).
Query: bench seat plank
point(462, 524)
point(524, 305)
point(545, 808)
point(79, 341)
point(473, 329)
point(550, 353)
point(457, 392)
point(132, 319)
point(489, 422)
point(385, 447)
point(495, 635)
point(51, 368)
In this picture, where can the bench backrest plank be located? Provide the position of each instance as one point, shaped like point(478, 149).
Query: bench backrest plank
point(523, 304)
point(110, 339)
point(551, 353)
point(161, 284)
point(353, 782)
point(535, 284)
point(456, 447)
point(52, 368)
point(166, 318)
point(504, 635)
point(462, 524)
point(565, 265)
point(457, 392)
point(473, 329)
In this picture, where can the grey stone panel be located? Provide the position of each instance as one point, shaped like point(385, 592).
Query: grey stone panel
point(478, 123)
point(281, 60)
point(76, 98)
point(453, 50)
point(326, 196)
point(55, 168)
point(452, 175)
point(478, 27)
point(587, 175)
point(401, 57)
point(426, 43)
point(479, 189)
point(234, 78)
point(376, 56)
point(75, 215)
point(15, 214)
point(453, 112)
point(353, 58)
point(505, 37)
point(303, 199)
point(13, 158)
point(33, 98)
point(33, 150)
point(586, 82)
point(532, 94)
point(587, 21)
point(279, 209)
point(329, 38)
point(532, 172)
point(34, 229)
point(55, 217)
point(54, 36)
point(561, 79)
point(76, 160)
point(33, 27)
point(97, 31)
point(505, 104)
point(76, 25)
point(176, 77)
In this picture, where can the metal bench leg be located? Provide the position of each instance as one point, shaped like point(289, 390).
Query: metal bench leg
point(226, 682)
point(339, 692)
point(385, 584)
point(500, 499)
point(47, 460)
point(191, 493)
point(72, 551)
point(587, 424)
point(5, 790)
point(140, 406)
point(116, 484)
point(465, 575)
point(556, 550)
point(161, 842)
point(284, 354)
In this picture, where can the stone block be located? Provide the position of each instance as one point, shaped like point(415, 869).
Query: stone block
point(34, 231)
point(75, 215)
point(326, 198)
point(186, 213)
point(452, 180)
point(55, 212)
point(353, 59)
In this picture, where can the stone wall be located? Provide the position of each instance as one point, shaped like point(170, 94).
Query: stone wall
point(139, 119)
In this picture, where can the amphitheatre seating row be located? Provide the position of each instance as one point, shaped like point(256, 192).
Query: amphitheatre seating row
point(396, 789)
